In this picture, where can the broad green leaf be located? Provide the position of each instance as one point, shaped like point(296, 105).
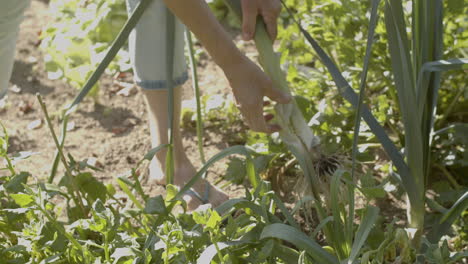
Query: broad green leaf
point(21, 199)
point(213, 221)
point(122, 253)
point(91, 186)
point(124, 183)
point(240, 203)
point(210, 252)
point(52, 259)
point(15, 185)
point(236, 171)
point(51, 237)
point(3, 141)
point(369, 188)
point(300, 240)
point(155, 205)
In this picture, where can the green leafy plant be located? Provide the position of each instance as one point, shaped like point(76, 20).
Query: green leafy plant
point(79, 35)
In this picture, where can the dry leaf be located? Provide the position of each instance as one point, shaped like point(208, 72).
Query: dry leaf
point(71, 126)
point(128, 89)
point(15, 89)
point(36, 124)
point(119, 130)
point(31, 59)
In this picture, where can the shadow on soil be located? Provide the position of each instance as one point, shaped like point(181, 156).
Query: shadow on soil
point(118, 120)
point(24, 77)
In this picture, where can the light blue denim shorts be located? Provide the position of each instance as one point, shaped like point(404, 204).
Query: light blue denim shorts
point(147, 45)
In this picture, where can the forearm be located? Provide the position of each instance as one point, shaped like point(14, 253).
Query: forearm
point(197, 16)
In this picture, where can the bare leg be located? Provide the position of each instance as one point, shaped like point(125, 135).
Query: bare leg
point(157, 103)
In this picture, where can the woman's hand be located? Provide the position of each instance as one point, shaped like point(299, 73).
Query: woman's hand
point(268, 9)
point(249, 85)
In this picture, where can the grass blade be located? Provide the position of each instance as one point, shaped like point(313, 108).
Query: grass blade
point(226, 152)
point(150, 154)
point(196, 90)
point(300, 240)
point(363, 231)
point(370, 37)
point(287, 254)
point(124, 183)
point(446, 65)
point(56, 162)
point(285, 212)
point(170, 41)
point(210, 252)
point(340, 243)
point(437, 66)
point(115, 47)
point(448, 218)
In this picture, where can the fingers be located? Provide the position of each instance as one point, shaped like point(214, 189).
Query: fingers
point(276, 94)
point(270, 11)
point(272, 29)
point(249, 18)
point(257, 121)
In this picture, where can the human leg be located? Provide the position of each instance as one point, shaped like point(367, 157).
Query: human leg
point(11, 16)
point(184, 169)
point(147, 49)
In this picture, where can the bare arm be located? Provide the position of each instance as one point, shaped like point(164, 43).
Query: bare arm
point(197, 16)
point(249, 83)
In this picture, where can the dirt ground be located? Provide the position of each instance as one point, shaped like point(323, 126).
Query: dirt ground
point(114, 132)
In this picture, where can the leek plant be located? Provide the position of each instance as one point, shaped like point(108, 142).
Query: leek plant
point(295, 133)
point(304, 145)
point(416, 68)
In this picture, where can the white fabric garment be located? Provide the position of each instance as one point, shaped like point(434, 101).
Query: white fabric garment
point(11, 16)
point(147, 45)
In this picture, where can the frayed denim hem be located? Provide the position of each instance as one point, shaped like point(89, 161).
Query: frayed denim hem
point(162, 84)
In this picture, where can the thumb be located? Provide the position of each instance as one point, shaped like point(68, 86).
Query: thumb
point(249, 19)
point(277, 95)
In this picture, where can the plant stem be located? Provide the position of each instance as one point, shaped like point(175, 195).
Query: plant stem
point(449, 176)
point(106, 247)
point(57, 157)
point(170, 40)
point(78, 200)
point(10, 165)
point(196, 88)
point(449, 109)
point(218, 251)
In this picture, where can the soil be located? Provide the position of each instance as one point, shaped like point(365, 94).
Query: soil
point(113, 132)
